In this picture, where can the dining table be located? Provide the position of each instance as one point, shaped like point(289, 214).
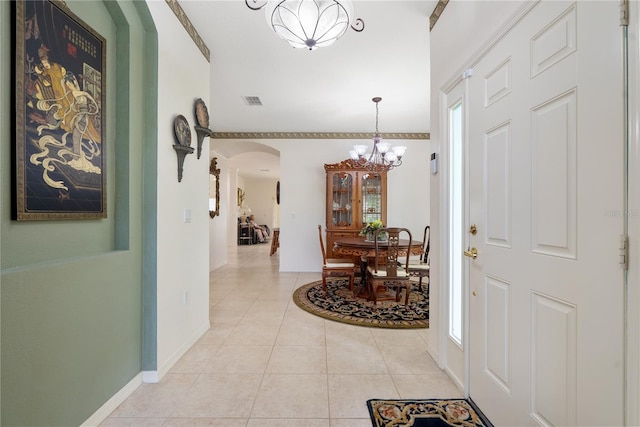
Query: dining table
point(366, 250)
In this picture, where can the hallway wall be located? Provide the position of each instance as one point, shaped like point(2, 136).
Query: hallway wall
point(71, 289)
point(183, 244)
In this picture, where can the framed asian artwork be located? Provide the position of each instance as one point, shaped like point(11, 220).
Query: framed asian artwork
point(59, 162)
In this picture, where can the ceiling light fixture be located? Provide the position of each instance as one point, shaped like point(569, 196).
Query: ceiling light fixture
point(383, 156)
point(309, 24)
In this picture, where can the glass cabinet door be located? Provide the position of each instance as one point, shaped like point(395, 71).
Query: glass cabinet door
point(371, 197)
point(342, 199)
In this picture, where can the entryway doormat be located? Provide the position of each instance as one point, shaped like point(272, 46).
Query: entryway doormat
point(425, 413)
point(340, 305)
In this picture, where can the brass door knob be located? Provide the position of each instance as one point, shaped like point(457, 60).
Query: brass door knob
point(471, 253)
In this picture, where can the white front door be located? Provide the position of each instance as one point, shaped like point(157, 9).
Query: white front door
point(546, 153)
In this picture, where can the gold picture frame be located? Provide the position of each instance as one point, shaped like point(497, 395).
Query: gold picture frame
point(59, 165)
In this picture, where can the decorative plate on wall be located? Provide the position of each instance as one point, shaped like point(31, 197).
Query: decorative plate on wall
point(181, 128)
point(202, 114)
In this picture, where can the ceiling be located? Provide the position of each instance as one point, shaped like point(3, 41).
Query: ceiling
point(326, 90)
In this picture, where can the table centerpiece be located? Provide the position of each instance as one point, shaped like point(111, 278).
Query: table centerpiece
point(369, 231)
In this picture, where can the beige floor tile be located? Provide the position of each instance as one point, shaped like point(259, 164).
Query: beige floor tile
point(350, 422)
point(341, 333)
point(296, 316)
point(289, 422)
point(271, 305)
point(133, 422)
point(424, 333)
point(397, 337)
point(264, 316)
point(349, 358)
point(219, 396)
point(348, 394)
point(209, 422)
point(235, 303)
point(195, 359)
point(253, 335)
point(292, 396)
point(216, 336)
point(298, 360)
point(275, 294)
point(430, 386)
point(304, 278)
point(246, 359)
point(226, 316)
point(302, 334)
point(408, 360)
point(265, 362)
point(156, 400)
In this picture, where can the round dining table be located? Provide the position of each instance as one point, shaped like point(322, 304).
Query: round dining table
point(366, 250)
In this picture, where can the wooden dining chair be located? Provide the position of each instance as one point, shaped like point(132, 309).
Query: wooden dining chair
point(420, 267)
point(382, 280)
point(335, 267)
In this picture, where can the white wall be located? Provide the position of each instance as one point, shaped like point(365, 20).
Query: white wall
point(464, 28)
point(261, 198)
point(183, 248)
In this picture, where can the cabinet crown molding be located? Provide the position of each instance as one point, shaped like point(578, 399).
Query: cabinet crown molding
point(349, 164)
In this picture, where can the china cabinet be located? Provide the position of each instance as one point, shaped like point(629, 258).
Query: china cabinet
point(355, 196)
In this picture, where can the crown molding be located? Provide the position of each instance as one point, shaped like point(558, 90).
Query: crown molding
point(314, 135)
point(191, 30)
point(437, 11)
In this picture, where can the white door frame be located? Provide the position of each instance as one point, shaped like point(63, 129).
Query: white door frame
point(632, 333)
point(456, 90)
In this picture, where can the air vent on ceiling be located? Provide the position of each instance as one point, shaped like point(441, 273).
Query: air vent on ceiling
point(252, 100)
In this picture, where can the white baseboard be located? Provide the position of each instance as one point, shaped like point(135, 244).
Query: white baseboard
point(150, 377)
point(166, 366)
point(110, 405)
point(143, 377)
point(435, 355)
point(456, 381)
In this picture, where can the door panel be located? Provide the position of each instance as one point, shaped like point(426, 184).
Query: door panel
point(554, 153)
point(546, 150)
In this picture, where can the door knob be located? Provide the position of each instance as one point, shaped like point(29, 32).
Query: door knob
point(471, 253)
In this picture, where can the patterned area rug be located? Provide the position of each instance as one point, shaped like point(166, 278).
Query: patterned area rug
point(341, 306)
point(425, 413)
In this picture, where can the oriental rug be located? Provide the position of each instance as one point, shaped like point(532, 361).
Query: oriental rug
point(425, 413)
point(341, 306)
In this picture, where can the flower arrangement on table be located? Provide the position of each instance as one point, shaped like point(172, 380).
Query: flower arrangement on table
point(369, 230)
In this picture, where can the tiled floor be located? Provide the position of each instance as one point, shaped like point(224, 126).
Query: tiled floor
point(267, 363)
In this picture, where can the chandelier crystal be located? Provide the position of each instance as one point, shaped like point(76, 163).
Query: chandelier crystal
point(383, 156)
point(309, 24)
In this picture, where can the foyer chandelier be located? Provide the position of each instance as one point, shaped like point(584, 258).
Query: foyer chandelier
point(308, 24)
point(383, 156)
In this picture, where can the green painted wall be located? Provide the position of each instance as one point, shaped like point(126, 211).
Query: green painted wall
point(71, 292)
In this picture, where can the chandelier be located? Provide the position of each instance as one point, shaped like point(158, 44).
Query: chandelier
point(309, 24)
point(383, 156)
